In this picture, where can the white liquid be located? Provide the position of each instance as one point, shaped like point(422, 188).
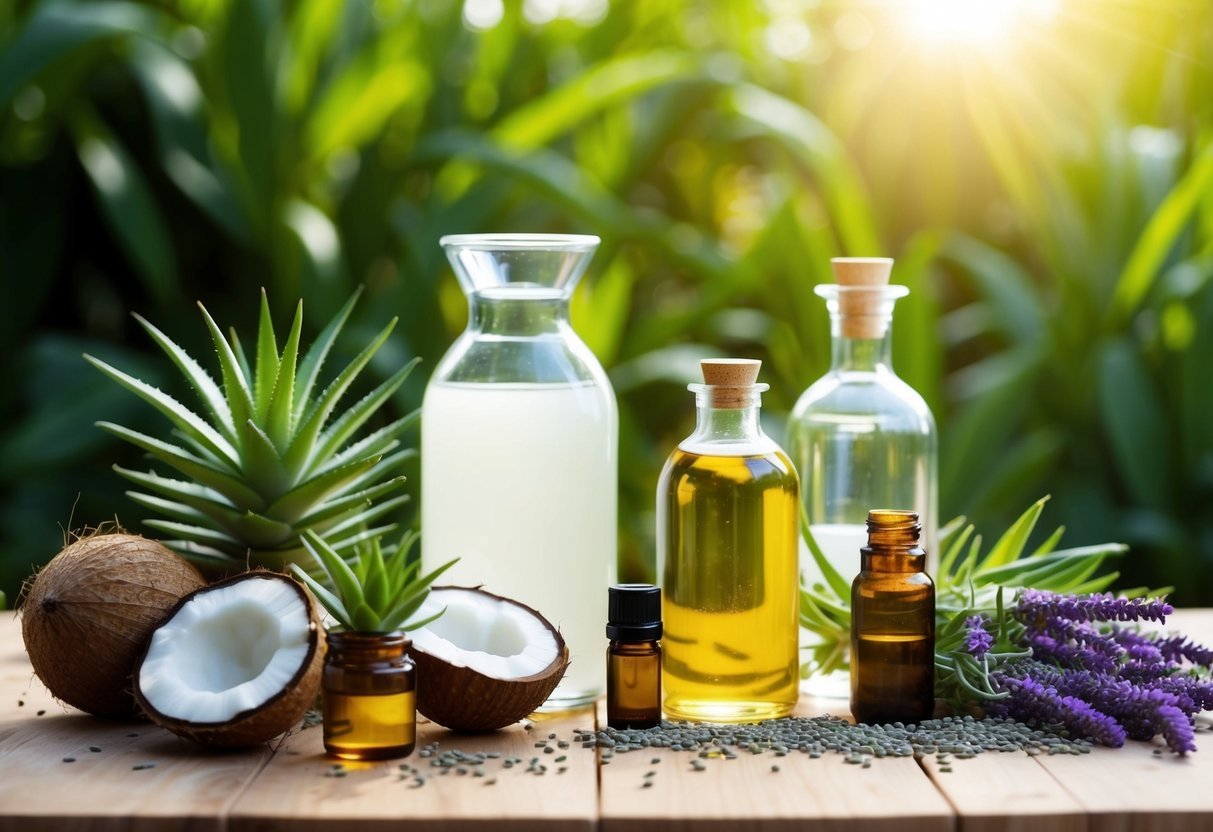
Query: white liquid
point(840, 543)
point(519, 482)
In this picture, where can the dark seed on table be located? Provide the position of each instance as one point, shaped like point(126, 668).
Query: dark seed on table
point(69, 759)
point(94, 749)
point(40, 713)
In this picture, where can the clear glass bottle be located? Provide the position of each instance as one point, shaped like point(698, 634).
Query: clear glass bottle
point(859, 436)
point(727, 508)
point(519, 445)
point(634, 656)
point(892, 624)
point(369, 694)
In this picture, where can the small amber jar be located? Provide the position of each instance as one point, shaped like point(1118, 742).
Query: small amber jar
point(634, 656)
point(370, 685)
point(892, 624)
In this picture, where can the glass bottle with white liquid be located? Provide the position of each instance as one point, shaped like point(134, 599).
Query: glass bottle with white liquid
point(519, 446)
point(861, 438)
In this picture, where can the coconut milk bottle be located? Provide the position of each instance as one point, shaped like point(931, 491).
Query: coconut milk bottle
point(519, 446)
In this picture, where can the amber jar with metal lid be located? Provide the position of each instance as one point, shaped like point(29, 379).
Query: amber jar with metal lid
point(370, 685)
point(892, 624)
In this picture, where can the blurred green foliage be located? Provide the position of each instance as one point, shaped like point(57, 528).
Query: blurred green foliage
point(1047, 190)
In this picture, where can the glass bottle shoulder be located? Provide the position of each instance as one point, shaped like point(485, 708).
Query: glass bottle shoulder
point(879, 397)
point(559, 357)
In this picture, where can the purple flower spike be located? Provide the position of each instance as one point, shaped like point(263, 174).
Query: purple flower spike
point(1032, 701)
point(1038, 605)
point(978, 640)
point(1177, 648)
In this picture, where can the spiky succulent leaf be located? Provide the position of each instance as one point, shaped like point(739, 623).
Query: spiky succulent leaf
point(374, 592)
point(268, 459)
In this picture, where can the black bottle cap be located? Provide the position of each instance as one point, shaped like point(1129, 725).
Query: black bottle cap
point(634, 612)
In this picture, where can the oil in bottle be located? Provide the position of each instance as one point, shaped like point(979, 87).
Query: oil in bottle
point(892, 624)
point(369, 693)
point(727, 512)
point(634, 656)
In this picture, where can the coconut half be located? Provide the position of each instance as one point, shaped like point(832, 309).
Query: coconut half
point(487, 662)
point(236, 663)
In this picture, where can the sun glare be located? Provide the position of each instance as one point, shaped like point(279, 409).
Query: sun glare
point(976, 22)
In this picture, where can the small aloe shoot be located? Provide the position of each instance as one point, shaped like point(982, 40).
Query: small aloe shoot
point(377, 591)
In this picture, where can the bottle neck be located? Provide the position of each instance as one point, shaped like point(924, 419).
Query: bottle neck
point(736, 422)
point(505, 312)
point(347, 648)
point(860, 354)
point(893, 543)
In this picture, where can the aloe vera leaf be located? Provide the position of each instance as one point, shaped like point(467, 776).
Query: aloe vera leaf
point(302, 452)
point(181, 416)
point(335, 508)
point(353, 418)
point(313, 359)
point(381, 441)
point(200, 470)
point(368, 515)
point(235, 388)
point(267, 361)
point(948, 562)
point(279, 413)
point(327, 599)
point(339, 572)
point(305, 495)
point(208, 391)
point(200, 534)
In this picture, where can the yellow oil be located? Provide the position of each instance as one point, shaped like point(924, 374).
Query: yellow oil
point(369, 726)
point(728, 534)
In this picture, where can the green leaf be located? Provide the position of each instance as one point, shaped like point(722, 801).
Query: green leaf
point(199, 379)
point(55, 30)
point(303, 497)
point(832, 577)
point(366, 516)
point(379, 442)
point(181, 416)
point(348, 423)
point(1162, 232)
point(230, 487)
point(338, 571)
point(357, 104)
point(954, 547)
point(336, 507)
point(235, 387)
point(199, 534)
point(330, 601)
point(278, 422)
point(313, 360)
point(266, 373)
point(302, 453)
point(1011, 545)
point(1137, 427)
point(128, 206)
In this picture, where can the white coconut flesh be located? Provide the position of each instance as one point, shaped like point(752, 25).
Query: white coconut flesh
point(487, 634)
point(227, 651)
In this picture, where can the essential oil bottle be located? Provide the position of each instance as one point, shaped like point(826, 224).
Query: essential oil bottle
point(369, 687)
point(634, 656)
point(892, 624)
point(727, 537)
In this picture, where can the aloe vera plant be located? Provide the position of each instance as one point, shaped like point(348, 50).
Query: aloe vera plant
point(378, 591)
point(273, 457)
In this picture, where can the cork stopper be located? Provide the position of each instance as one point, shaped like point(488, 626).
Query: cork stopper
point(861, 280)
point(733, 380)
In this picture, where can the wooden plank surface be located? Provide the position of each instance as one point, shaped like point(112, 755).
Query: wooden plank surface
point(298, 789)
point(1111, 790)
point(185, 789)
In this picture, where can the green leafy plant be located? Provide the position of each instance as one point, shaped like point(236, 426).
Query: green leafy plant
point(379, 591)
point(268, 462)
point(967, 582)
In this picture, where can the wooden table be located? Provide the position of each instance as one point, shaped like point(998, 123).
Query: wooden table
point(295, 787)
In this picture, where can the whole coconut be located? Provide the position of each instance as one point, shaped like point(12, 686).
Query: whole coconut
point(92, 609)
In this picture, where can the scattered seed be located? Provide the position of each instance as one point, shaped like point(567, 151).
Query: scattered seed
point(132, 735)
point(492, 781)
point(551, 736)
point(40, 713)
point(143, 766)
point(94, 749)
point(20, 703)
point(547, 749)
point(646, 784)
point(69, 759)
point(775, 768)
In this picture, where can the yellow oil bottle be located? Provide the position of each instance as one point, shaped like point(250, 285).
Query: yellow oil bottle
point(727, 510)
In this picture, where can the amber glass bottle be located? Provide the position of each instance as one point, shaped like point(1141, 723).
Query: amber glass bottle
point(634, 656)
point(892, 624)
point(369, 696)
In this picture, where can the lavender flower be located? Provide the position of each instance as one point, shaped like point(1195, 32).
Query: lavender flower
point(1177, 648)
point(1065, 654)
point(1032, 701)
point(1037, 605)
point(978, 640)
